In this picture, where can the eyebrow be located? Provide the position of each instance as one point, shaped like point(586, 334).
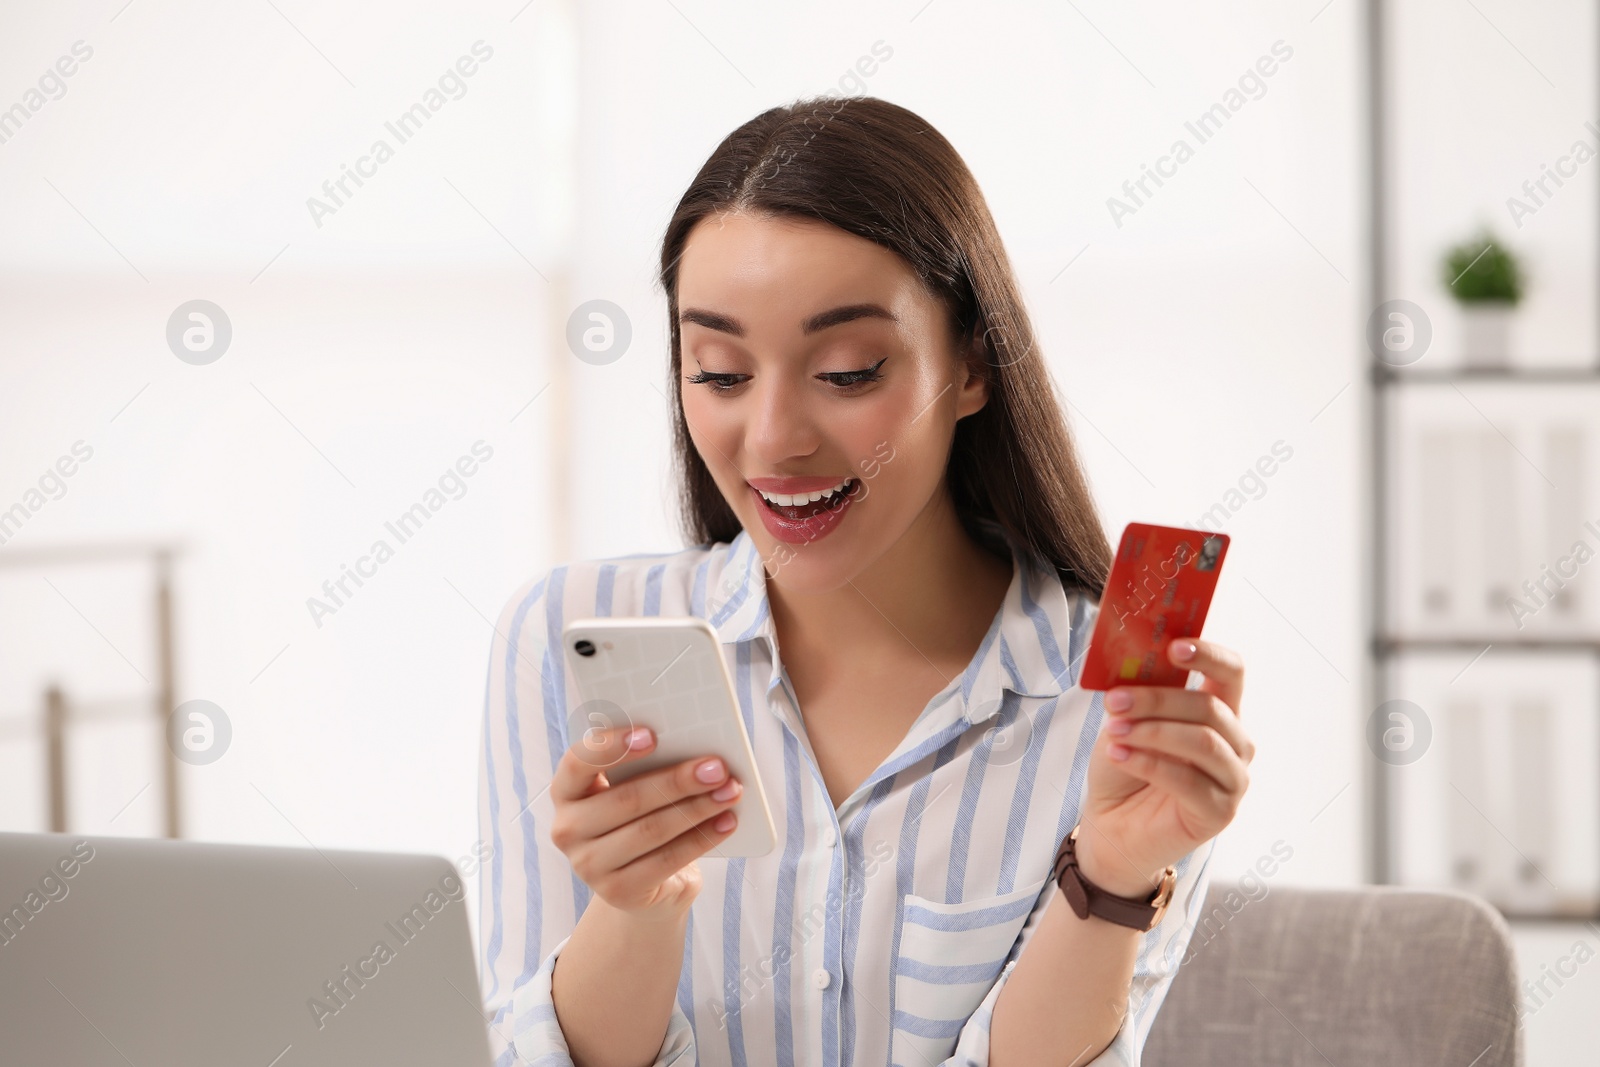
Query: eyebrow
point(816, 323)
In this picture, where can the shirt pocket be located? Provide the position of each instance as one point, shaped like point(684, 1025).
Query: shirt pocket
point(950, 956)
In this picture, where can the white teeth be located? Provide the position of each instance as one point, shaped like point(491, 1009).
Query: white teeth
point(791, 501)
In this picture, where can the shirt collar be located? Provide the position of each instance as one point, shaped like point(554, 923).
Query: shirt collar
point(1032, 648)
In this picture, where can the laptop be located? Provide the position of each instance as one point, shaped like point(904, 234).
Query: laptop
point(118, 951)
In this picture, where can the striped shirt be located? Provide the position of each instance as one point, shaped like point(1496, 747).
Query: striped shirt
point(878, 933)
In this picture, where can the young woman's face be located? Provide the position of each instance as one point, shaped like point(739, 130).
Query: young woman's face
point(821, 360)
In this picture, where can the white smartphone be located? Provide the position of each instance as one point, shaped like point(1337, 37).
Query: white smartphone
point(668, 673)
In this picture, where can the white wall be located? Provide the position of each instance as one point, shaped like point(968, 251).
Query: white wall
point(371, 351)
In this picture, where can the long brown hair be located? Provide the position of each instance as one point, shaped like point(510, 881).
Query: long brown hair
point(878, 171)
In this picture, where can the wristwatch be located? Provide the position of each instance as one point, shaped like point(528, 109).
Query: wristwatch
point(1089, 899)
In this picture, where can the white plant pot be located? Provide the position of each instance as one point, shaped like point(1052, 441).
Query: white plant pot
point(1486, 333)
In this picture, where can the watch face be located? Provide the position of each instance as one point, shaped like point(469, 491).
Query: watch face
point(1164, 895)
point(1169, 882)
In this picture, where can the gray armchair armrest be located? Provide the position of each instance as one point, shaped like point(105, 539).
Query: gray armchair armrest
point(1375, 976)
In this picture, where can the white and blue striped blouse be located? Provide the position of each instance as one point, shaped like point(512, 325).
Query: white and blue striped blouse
point(879, 933)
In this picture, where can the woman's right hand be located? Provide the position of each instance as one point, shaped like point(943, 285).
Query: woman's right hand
point(635, 843)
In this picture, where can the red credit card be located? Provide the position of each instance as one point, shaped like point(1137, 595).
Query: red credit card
point(1159, 588)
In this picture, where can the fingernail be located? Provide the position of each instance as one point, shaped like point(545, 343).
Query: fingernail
point(727, 792)
point(724, 821)
point(1183, 650)
point(1119, 727)
point(1119, 700)
point(1119, 752)
point(709, 771)
point(638, 737)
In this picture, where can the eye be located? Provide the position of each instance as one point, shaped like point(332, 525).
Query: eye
point(720, 383)
point(848, 378)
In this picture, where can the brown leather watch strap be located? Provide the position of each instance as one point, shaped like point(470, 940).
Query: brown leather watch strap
point(1087, 899)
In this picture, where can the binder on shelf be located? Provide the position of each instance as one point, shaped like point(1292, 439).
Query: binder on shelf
point(1533, 812)
point(1498, 514)
point(1506, 802)
point(1470, 866)
point(1564, 511)
point(1441, 569)
point(1492, 537)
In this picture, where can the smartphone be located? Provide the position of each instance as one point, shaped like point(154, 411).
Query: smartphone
point(668, 673)
point(1159, 588)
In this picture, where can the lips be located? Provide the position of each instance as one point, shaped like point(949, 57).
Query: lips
point(799, 524)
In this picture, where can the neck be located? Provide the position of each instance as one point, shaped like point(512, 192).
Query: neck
point(933, 594)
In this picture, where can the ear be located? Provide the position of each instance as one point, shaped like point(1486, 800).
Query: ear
point(972, 382)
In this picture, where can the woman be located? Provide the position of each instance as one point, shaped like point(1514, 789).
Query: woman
point(893, 538)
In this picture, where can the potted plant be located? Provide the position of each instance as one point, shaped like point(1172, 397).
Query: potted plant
point(1487, 282)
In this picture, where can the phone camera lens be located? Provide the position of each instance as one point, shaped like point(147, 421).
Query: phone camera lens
point(583, 647)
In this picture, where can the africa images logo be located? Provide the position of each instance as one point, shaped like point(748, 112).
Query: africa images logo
point(341, 989)
point(1251, 85)
point(51, 888)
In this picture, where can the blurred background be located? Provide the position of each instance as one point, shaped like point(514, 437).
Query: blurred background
point(288, 407)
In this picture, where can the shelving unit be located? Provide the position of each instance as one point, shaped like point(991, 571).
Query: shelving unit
point(1388, 648)
point(1516, 375)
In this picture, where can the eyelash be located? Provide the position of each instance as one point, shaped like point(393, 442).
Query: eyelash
point(722, 383)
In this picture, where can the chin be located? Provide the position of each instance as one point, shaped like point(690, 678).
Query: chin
point(810, 567)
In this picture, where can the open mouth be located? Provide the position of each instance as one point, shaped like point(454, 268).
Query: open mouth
point(832, 501)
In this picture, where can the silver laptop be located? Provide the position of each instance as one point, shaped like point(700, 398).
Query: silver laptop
point(118, 951)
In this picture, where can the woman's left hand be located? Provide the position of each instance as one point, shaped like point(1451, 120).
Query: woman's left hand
point(1167, 772)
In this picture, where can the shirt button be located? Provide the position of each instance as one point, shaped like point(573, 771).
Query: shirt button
point(829, 838)
point(820, 978)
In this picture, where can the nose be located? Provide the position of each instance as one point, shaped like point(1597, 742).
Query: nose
point(782, 425)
